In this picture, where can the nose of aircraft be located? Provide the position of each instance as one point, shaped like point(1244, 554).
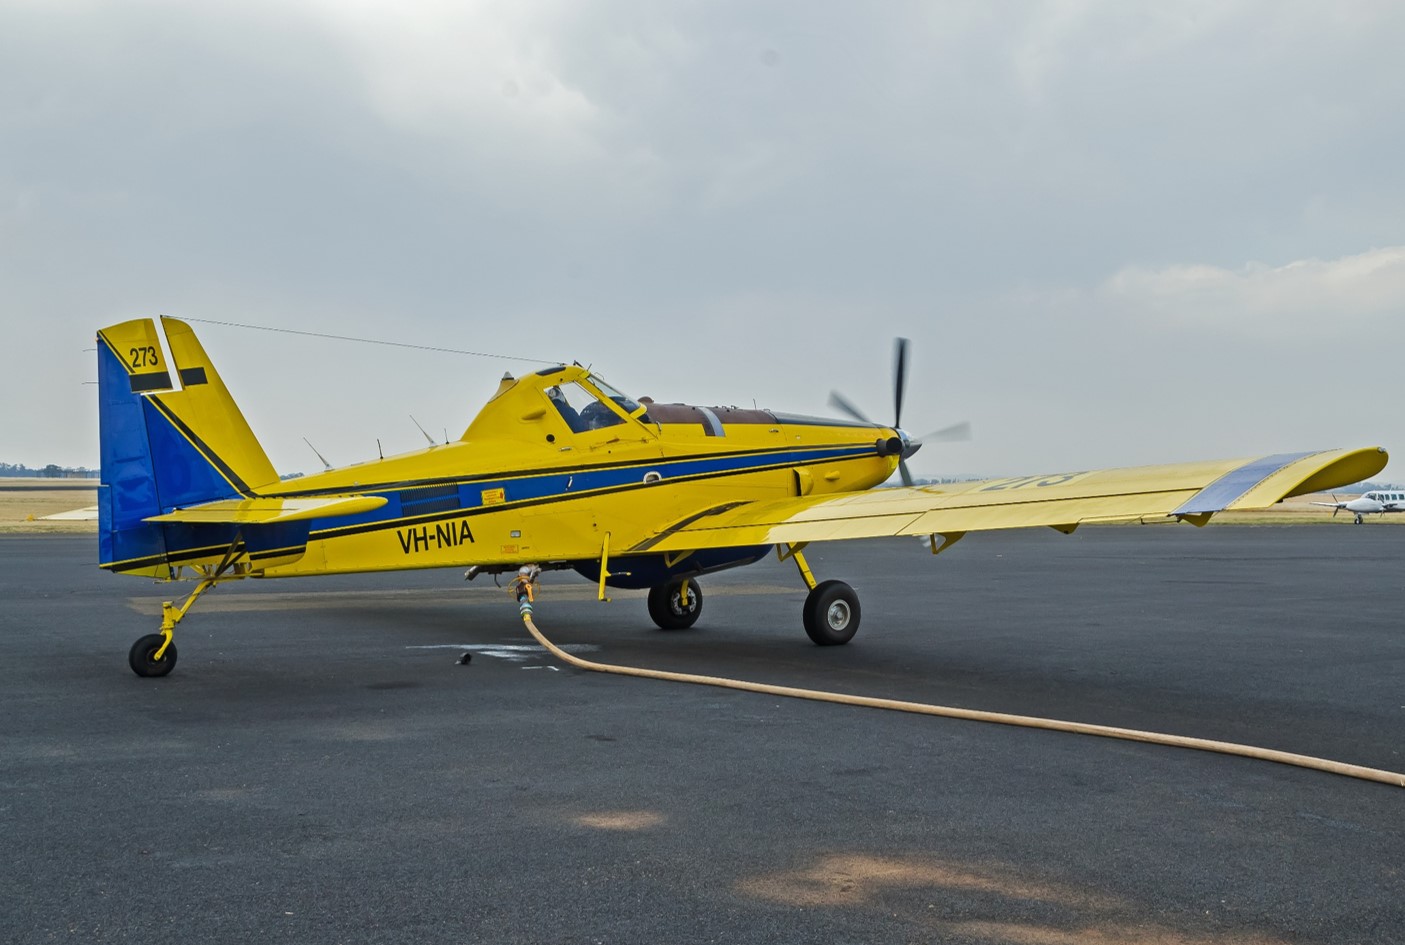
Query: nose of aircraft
point(901, 444)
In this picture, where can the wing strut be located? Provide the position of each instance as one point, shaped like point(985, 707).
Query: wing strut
point(794, 551)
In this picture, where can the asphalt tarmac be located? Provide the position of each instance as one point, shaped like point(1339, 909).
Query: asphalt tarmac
point(319, 768)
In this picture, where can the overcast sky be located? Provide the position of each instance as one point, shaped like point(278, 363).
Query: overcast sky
point(1116, 233)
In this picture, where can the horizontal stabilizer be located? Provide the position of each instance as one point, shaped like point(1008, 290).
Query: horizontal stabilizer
point(267, 511)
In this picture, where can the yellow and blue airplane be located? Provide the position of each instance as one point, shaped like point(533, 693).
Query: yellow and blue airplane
point(561, 471)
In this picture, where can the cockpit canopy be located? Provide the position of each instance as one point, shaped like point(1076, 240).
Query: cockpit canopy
point(583, 410)
point(628, 404)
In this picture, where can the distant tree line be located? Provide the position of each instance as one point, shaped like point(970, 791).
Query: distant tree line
point(51, 471)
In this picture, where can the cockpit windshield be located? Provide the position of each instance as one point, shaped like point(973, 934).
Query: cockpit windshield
point(581, 409)
point(628, 404)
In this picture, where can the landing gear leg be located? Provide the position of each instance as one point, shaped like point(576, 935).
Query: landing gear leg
point(1358, 518)
point(155, 653)
point(831, 612)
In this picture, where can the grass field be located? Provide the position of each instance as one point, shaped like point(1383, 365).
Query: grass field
point(25, 502)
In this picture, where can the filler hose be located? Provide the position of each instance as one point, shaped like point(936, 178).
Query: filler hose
point(1000, 718)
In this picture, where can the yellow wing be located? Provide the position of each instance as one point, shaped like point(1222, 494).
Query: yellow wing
point(1189, 491)
point(270, 511)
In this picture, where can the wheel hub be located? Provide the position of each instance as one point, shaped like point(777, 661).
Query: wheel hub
point(838, 615)
point(681, 608)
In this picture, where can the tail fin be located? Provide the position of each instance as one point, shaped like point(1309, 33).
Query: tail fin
point(167, 441)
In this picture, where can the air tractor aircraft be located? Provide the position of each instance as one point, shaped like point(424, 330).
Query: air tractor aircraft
point(559, 470)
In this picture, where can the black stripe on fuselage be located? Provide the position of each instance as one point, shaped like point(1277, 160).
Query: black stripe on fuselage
point(363, 488)
point(276, 552)
point(410, 521)
point(544, 500)
point(173, 557)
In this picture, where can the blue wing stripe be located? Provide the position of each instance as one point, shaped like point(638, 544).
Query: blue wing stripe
point(1235, 483)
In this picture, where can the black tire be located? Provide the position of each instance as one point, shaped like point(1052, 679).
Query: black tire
point(140, 656)
point(666, 605)
point(832, 613)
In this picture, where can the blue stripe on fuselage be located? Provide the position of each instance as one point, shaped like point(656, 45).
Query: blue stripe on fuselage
point(569, 484)
point(534, 488)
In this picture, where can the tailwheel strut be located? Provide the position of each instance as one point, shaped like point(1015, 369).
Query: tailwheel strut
point(155, 653)
point(831, 613)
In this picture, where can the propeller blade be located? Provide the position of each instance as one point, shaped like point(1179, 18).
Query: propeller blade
point(903, 471)
point(899, 379)
point(839, 402)
point(956, 433)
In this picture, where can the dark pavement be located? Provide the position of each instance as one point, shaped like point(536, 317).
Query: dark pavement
point(318, 768)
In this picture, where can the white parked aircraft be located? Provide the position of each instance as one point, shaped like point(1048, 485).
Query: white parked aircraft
point(1371, 503)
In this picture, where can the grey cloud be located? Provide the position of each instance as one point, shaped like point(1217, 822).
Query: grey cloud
point(779, 187)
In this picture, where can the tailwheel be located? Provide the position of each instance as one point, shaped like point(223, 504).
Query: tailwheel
point(831, 613)
point(676, 605)
point(155, 653)
point(142, 656)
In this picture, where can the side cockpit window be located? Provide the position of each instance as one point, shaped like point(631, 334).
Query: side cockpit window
point(581, 409)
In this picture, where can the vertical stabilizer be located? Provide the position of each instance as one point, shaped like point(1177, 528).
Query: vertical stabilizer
point(171, 436)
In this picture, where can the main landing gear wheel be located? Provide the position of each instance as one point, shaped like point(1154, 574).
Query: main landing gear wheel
point(832, 613)
point(667, 608)
point(142, 656)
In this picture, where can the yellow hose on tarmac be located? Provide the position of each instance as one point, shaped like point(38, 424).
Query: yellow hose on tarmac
point(999, 718)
